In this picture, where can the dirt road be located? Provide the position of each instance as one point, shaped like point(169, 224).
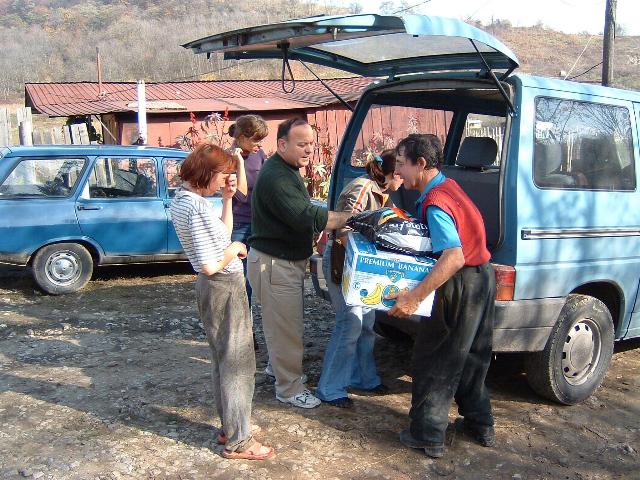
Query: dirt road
point(113, 382)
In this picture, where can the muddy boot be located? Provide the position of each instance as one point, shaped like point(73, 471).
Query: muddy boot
point(433, 450)
point(484, 435)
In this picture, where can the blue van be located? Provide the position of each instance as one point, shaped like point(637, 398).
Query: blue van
point(551, 165)
point(66, 209)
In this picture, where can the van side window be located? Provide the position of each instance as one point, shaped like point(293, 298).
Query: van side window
point(123, 178)
point(583, 146)
point(385, 125)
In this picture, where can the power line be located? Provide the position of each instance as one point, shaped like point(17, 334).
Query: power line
point(579, 56)
point(413, 6)
point(586, 71)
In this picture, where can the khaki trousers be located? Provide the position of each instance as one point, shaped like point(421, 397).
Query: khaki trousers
point(279, 287)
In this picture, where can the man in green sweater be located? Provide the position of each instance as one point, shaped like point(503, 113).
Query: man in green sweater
point(283, 224)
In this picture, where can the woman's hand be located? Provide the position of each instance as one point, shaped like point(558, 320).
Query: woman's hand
point(231, 185)
point(240, 249)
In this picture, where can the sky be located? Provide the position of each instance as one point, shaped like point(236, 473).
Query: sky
point(570, 16)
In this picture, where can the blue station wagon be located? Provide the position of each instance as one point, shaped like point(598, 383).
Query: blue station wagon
point(551, 165)
point(66, 209)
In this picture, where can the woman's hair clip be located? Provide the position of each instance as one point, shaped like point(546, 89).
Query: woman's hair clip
point(378, 159)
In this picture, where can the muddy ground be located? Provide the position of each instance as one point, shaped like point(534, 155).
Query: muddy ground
point(113, 382)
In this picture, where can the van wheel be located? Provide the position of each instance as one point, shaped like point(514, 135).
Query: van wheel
point(62, 268)
point(577, 355)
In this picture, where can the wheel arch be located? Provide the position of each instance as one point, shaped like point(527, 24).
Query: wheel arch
point(608, 293)
point(94, 249)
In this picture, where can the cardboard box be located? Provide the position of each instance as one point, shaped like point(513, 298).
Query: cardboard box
point(370, 274)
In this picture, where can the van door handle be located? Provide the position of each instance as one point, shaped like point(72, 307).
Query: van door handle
point(89, 207)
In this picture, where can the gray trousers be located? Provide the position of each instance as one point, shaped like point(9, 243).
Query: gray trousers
point(224, 311)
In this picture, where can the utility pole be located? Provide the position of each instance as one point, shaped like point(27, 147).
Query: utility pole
point(608, 41)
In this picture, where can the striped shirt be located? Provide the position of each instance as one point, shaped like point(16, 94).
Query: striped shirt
point(202, 234)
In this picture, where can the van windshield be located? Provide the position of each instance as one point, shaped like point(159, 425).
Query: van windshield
point(55, 177)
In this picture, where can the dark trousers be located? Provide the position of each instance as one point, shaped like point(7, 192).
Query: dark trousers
point(452, 354)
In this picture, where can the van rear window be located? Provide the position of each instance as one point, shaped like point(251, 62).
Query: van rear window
point(583, 146)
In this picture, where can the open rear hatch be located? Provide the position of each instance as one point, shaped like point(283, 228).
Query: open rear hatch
point(369, 45)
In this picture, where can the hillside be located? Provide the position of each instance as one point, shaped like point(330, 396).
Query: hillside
point(56, 40)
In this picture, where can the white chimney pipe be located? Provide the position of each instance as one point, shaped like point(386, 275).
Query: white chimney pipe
point(142, 112)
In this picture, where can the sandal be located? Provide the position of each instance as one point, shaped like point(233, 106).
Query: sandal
point(251, 453)
point(222, 438)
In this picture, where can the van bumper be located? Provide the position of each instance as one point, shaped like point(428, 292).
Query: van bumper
point(525, 325)
point(519, 325)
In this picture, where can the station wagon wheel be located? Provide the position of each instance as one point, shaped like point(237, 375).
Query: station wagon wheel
point(577, 355)
point(62, 268)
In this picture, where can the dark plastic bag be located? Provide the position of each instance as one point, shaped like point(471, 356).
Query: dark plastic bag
point(393, 229)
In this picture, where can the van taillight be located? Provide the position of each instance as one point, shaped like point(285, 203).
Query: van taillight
point(505, 281)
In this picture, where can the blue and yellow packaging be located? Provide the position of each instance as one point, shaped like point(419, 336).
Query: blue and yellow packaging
point(370, 274)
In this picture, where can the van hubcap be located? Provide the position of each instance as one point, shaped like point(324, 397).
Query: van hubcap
point(581, 351)
point(63, 268)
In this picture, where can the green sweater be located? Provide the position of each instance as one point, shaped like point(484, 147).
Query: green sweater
point(283, 220)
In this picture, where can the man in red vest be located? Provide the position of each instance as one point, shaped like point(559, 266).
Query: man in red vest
point(452, 351)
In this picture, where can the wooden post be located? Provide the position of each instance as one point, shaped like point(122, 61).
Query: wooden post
point(66, 134)
point(37, 137)
point(84, 134)
point(608, 41)
point(75, 134)
point(5, 132)
point(25, 125)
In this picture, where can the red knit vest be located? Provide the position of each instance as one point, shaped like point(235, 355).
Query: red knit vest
point(451, 198)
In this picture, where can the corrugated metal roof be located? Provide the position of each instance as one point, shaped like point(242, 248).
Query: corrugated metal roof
point(83, 98)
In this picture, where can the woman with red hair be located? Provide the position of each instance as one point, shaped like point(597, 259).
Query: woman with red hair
point(220, 292)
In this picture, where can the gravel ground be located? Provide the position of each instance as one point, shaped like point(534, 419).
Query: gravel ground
point(113, 383)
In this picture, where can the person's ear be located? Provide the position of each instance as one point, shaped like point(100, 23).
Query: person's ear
point(421, 163)
point(282, 143)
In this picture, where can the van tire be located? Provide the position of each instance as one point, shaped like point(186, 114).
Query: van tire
point(577, 355)
point(62, 268)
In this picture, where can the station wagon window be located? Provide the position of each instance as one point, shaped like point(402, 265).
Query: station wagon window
point(172, 175)
point(385, 125)
point(582, 145)
point(486, 126)
point(43, 177)
point(123, 178)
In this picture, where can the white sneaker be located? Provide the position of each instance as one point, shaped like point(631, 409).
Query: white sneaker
point(269, 371)
point(304, 399)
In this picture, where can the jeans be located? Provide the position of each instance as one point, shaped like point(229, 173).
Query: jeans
point(348, 360)
point(225, 315)
point(241, 233)
point(452, 353)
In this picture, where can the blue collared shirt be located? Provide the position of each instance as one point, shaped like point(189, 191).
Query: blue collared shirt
point(442, 228)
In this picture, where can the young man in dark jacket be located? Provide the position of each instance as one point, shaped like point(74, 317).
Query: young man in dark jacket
point(452, 351)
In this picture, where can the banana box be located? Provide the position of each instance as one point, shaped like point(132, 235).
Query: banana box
point(370, 274)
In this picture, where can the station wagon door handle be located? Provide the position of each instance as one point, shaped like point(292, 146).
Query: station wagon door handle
point(89, 207)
